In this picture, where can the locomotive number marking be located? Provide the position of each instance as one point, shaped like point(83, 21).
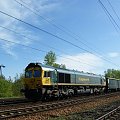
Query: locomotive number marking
point(84, 79)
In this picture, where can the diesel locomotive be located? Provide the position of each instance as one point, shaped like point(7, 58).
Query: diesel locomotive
point(45, 82)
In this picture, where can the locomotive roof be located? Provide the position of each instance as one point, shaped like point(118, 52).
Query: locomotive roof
point(61, 70)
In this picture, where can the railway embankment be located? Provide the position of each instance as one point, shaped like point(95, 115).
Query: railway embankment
point(87, 109)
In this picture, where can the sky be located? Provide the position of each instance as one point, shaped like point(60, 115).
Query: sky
point(80, 32)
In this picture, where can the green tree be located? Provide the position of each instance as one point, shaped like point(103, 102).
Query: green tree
point(112, 73)
point(2, 77)
point(56, 65)
point(17, 85)
point(5, 88)
point(50, 58)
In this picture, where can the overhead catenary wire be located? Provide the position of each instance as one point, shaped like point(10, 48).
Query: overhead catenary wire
point(110, 16)
point(62, 39)
point(2, 39)
point(110, 19)
point(65, 31)
point(59, 26)
point(68, 32)
point(44, 44)
point(53, 24)
point(114, 10)
point(33, 26)
point(29, 38)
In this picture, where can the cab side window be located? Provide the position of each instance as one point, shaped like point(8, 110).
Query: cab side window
point(47, 73)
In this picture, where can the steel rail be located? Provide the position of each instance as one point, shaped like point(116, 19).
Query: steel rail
point(40, 108)
point(11, 101)
point(114, 114)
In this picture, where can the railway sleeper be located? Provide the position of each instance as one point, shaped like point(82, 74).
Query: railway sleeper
point(116, 116)
point(19, 112)
point(49, 106)
point(113, 118)
point(34, 110)
point(27, 111)
point(11, 113)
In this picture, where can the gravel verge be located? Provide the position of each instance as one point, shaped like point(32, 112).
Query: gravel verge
point(73, 111)
point(90, 114)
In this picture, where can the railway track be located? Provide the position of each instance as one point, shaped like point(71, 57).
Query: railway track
point(40, 108)
point(112, 115)
point(51, 106)
point(11, 101)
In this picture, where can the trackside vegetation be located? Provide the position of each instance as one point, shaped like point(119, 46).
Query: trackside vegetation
point(11, 88)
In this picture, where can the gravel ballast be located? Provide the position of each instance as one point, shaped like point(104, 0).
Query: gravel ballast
point(74, 111)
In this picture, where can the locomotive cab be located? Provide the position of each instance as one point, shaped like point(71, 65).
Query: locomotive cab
point(32, 81)
point(33, 78)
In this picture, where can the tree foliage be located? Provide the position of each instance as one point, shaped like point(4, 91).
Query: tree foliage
point(50, 58)
point(17, 85)
point(5, 88)
point(112, 73)
point(9, 88)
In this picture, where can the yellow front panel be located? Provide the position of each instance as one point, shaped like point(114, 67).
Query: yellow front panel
point(32, 83)
point(29, 83)
point(38, 82)
point(46, 81)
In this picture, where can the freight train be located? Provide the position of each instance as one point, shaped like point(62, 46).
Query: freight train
point(46, 82)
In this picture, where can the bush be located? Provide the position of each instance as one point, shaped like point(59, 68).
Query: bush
point(5, 88)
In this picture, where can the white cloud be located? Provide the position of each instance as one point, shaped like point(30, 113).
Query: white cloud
point(7, 46)
point(114, 54)
point(83, 62)
point(43, 6)
point(19, 11)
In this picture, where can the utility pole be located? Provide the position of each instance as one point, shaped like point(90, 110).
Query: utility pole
point(1, 69)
